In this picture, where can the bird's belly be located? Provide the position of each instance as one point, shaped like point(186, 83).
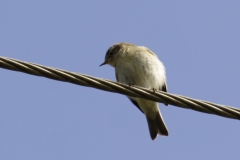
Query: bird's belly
point(142, 75)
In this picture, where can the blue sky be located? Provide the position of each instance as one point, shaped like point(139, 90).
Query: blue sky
point(198, 42)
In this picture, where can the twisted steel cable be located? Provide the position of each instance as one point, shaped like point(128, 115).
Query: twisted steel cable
point(107, 85)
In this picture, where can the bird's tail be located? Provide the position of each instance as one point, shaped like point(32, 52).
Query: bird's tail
point(157, 126)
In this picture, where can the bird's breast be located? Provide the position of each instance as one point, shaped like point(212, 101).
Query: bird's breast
point(141, 70)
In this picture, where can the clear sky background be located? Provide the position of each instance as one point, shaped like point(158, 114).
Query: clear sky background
point(42, 119)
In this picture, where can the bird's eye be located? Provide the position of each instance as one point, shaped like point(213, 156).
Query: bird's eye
point(112, 51)
point(109, 53)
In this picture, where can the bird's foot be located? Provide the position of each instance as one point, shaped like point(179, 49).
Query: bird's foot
point(130, 84)
point(154, 90)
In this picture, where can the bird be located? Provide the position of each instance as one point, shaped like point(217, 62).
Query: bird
point(139, 66)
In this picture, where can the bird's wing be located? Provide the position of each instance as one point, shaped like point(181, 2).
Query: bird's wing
point(164, 89)
point(134, 102)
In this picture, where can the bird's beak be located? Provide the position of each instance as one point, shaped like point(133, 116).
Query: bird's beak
point(103, 64)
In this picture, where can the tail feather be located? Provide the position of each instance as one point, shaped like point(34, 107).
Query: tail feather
point(157, 126)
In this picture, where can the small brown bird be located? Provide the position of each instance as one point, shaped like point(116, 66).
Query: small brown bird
point(137, 65)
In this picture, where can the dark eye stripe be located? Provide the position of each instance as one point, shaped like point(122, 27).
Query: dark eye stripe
point(108, 54)
point(112, 51)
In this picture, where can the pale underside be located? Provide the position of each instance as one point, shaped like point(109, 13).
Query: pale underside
point(142, 69)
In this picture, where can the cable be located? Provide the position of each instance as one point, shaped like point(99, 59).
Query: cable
point(110, 86)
